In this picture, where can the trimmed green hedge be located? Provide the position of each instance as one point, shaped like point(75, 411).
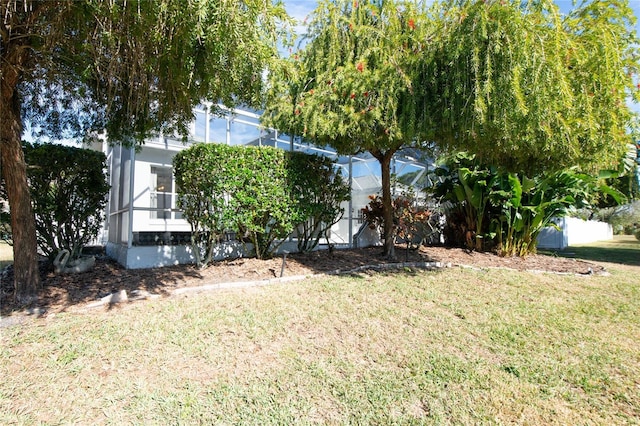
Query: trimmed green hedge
point(261, 193)
point(69, 193)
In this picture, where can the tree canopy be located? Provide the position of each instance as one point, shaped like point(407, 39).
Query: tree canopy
point(132, 68)
point(529, 89)
point(353, 85)
point(519, 84)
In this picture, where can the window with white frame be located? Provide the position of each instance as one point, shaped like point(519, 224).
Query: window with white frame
point(199, 126)
point(161, 190)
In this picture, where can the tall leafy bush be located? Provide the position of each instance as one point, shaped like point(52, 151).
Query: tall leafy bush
point(69, 192)
point(260, 197)
point(203, 187)
point(317, 189)
point(260, 193)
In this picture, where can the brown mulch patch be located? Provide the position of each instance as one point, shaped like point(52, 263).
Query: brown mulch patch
point(64, 291)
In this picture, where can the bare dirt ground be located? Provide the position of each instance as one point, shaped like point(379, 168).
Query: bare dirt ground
point(62, 292)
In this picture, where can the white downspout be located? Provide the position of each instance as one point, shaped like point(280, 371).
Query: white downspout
point(351, 201)
point(132, 168)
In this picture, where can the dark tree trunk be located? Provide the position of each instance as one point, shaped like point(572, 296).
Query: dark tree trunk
point(14, 172)
point(387, 205)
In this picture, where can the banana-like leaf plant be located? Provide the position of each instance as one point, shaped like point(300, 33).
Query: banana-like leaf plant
point(489, 208)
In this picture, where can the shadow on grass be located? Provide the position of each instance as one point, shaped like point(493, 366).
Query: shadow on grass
point(347, 261)
point(61, 292)
point(106, 277)
point(623, 249)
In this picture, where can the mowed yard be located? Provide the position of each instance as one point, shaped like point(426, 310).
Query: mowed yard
point(456, 346)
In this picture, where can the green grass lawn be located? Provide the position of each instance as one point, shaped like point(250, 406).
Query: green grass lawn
point(624, 249)
point(458, 346)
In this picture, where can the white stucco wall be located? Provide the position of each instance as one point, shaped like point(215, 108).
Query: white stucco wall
point(140, 257)
point(142, 221)
point(574, 231)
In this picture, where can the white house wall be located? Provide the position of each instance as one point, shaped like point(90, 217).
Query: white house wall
point(129, 220)
point(142, 221)
point(574, 231)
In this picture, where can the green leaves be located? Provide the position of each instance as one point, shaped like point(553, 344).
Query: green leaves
point(260, 201)
point(260, 193)
point(531, 90)
point(492, 209)
point(353, 85)
point(69, 193)
point(317, 190)
point(137, 68)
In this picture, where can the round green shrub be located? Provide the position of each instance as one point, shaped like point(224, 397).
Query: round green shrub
point(69, 193)
point(262, 194)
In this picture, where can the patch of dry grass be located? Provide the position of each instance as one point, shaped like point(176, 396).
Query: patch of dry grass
point(453, 347)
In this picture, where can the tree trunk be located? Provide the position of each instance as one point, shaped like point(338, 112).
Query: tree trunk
point(387, 205)
point(14, 172)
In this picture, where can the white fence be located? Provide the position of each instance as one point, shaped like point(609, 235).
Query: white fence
point(574, 231)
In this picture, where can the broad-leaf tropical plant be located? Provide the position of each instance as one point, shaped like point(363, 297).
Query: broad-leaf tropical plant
point(493, 209)
point(465, 184)
point(526, 206)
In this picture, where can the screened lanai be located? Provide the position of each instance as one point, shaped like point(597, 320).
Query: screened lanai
point(144, 226)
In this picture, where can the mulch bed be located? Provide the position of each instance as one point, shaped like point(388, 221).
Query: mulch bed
point(61, 292)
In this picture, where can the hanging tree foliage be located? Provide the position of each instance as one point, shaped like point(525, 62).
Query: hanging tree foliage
point(131, 67)
point(352, 85)
point(529, 89)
